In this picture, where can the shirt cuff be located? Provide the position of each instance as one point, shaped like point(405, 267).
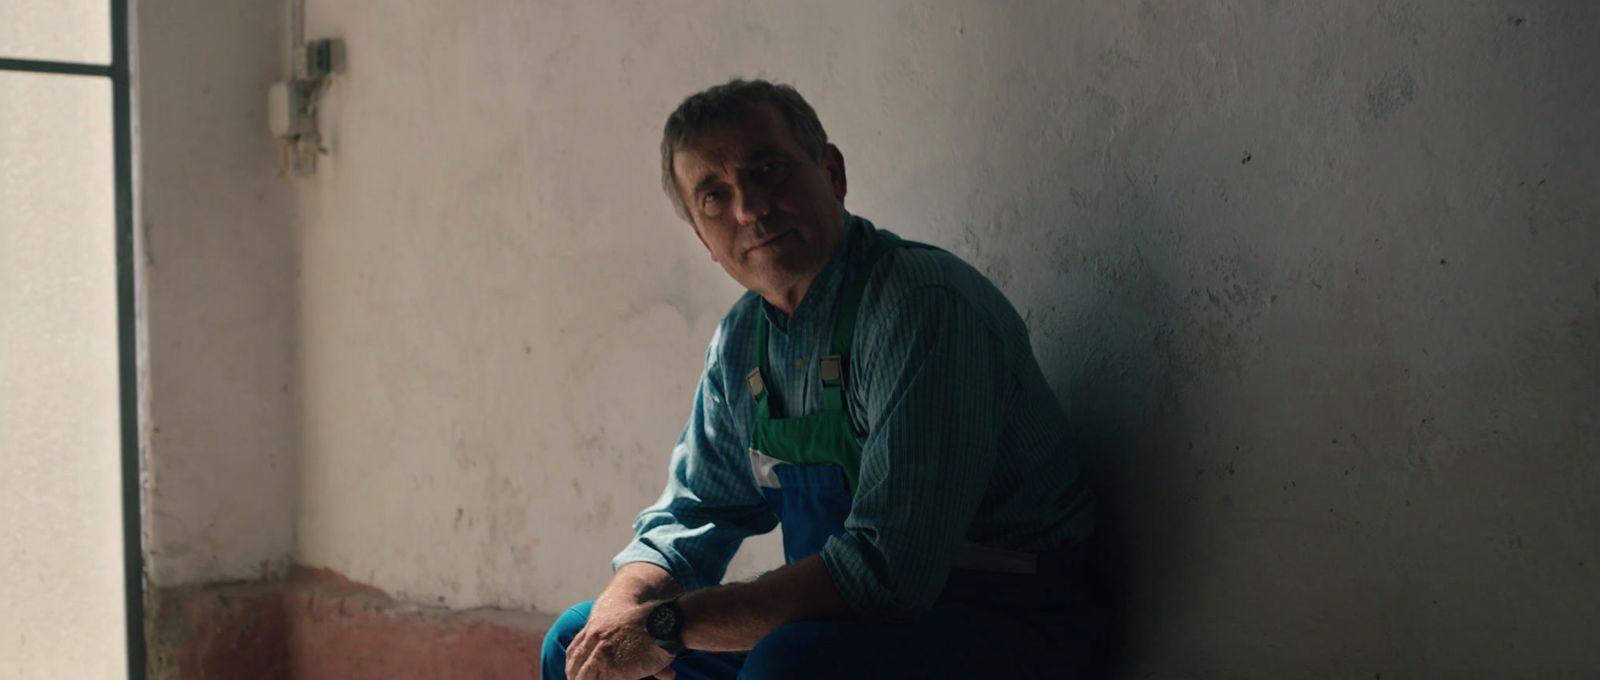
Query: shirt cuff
point(640, 551)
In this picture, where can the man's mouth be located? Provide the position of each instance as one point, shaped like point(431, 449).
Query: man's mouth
point(769, 240)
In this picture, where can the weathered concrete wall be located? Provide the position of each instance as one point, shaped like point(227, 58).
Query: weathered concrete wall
point(219, 275)
point(1323, 284)
point(1317, 281)
point(501, 321)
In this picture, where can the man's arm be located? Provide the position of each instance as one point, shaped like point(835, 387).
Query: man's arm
point(733, 618)
point(936, 392)
point(636, 583)
point(710, 503)
point(613, 638)
point(682, 542)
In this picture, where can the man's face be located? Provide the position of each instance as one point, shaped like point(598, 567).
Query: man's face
point(767, 212)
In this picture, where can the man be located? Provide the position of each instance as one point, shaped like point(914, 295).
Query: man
point(878, 398)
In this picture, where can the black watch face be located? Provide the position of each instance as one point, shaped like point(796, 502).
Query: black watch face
point(663, 622)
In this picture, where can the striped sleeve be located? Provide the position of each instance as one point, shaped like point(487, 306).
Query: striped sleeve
point(710, 503)
point(937, 393)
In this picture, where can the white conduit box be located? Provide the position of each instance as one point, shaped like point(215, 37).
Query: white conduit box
point(285, 110)
point(292, 104)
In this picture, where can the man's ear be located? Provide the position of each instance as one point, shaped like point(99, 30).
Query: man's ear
point(833, 162)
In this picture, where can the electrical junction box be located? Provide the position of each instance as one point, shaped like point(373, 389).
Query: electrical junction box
point(318, 59)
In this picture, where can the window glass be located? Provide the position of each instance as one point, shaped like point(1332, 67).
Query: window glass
point(56, 30)
point(60, 504)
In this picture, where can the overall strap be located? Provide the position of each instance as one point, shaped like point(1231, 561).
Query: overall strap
point(844, 327)
point(758, 384)
point(831, 368)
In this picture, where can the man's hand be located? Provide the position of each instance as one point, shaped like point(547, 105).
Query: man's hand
point(728, 618)
point(614, 645)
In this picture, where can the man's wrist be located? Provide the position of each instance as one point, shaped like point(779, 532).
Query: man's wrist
point(637, 583)
point(664, 624)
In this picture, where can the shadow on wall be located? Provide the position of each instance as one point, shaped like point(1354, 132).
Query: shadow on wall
point(1136, 303)
point(1123, 343)
point(1116, 374)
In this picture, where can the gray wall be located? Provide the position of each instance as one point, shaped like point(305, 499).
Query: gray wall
point(218, 279)
point(1317, 281)
point(1322, 287)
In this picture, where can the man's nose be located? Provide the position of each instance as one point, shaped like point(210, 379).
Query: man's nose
point(753, 203)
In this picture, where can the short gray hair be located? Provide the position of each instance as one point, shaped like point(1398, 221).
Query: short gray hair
point(716, 105)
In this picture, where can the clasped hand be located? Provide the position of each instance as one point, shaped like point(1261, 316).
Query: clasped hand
point(613, 645)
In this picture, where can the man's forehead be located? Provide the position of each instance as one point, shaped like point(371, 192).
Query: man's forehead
point(753, 130)
point(726, 155)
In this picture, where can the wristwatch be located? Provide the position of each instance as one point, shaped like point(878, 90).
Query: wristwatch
point(665, 625)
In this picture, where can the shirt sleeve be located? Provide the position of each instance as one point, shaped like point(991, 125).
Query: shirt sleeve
point(711, 502)
point(936, 393)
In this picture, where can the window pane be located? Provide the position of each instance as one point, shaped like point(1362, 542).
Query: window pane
point(57, 30)
point(60, 506)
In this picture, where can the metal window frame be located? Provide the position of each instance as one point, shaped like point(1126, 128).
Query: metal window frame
point(118, 71)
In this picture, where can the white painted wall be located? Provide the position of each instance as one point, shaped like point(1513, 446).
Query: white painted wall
point(219, 274)
point(1317, 281)
point(501, 322)
point(60, 452)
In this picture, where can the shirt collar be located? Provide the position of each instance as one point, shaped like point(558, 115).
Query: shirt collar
point(824, 290)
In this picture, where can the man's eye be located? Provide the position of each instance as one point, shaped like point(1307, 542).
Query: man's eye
point(771, 173)
point(711, 202)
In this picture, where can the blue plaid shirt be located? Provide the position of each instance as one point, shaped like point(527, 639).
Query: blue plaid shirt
point(962, 439)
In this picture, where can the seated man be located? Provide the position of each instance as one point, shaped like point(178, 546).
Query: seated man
point(878, 398)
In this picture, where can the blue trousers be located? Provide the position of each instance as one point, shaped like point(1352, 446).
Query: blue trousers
point(951, 642)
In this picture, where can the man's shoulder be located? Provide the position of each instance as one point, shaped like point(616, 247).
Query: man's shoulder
point(916, 266)
point(923, 276)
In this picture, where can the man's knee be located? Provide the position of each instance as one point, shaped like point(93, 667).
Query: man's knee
point(809, 649)
point(562, 631)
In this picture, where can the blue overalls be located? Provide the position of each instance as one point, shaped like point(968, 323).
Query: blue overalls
point(808, 467)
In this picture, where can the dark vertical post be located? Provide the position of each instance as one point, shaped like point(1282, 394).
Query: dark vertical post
point(127, 341)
